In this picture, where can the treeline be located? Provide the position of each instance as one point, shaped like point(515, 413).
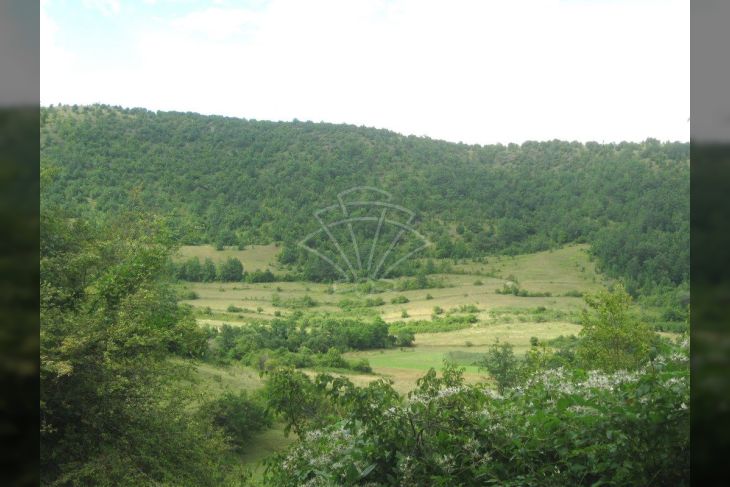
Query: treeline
point(235, 182)
point(228, 270)
point(303, 342)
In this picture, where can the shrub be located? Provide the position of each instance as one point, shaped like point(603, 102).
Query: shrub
point(563, 427)
point(404, 313)
point(502, 365)
point(208, 271)
point(333, 358)
point(233, 309)
point(371, 302)
point(230, 270)
point(674, 314)
point(260, 276)
point(399, 300)
point(307, 302)
point(404, 338)
point(239, 415)
point(573, 294)
point(362, 365)
point(190, 295)
point(612, 338)
point(467, 308)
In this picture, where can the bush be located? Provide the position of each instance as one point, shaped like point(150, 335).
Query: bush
point(230, 270)
point(362, 365)
point(399, 300)
point(515, 290)
point(333, 358)
point(404, 313)
point(612, 338)
point(371, 302)
point(307, 302)
point(674, 314)
point(467, 308)
point(404, 338)
point(563, 427)
point(239, 415)
point(190, 295)
point(260, 276)
point(502, 365)
point(233, 309)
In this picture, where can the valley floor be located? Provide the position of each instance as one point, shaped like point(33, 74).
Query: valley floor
point(566, 274)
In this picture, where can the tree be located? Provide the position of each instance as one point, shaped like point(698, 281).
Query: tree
point(612, 338)
point(230, 270)
point(208, 272)
point(404, 338)
point(293, 395)
point(239, 415)
point(111, 412)
point(502, 365)
point(193, 270)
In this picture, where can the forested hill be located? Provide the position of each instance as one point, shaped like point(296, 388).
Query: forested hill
point(232, 181)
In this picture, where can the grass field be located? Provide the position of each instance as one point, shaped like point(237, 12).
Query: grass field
point(253, 257)
point(503, 316)
point(557, 272)
point(404, 366)
point(564, 273)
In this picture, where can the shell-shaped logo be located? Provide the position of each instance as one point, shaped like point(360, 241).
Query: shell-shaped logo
point(364, 236)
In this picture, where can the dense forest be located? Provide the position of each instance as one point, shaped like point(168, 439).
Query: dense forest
point(231, 181)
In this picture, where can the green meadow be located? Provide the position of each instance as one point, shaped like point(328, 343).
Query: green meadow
point(565, 274)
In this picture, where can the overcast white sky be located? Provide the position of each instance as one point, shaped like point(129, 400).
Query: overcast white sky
point(472, 71)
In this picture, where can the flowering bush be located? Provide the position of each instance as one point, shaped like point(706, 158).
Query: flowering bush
point(559, 427)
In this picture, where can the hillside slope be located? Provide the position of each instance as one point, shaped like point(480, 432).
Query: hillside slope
point(235, 181)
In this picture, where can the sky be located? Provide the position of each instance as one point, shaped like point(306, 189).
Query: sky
point(478, 72)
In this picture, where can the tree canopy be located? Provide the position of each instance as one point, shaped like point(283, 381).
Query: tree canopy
point(229, 181)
